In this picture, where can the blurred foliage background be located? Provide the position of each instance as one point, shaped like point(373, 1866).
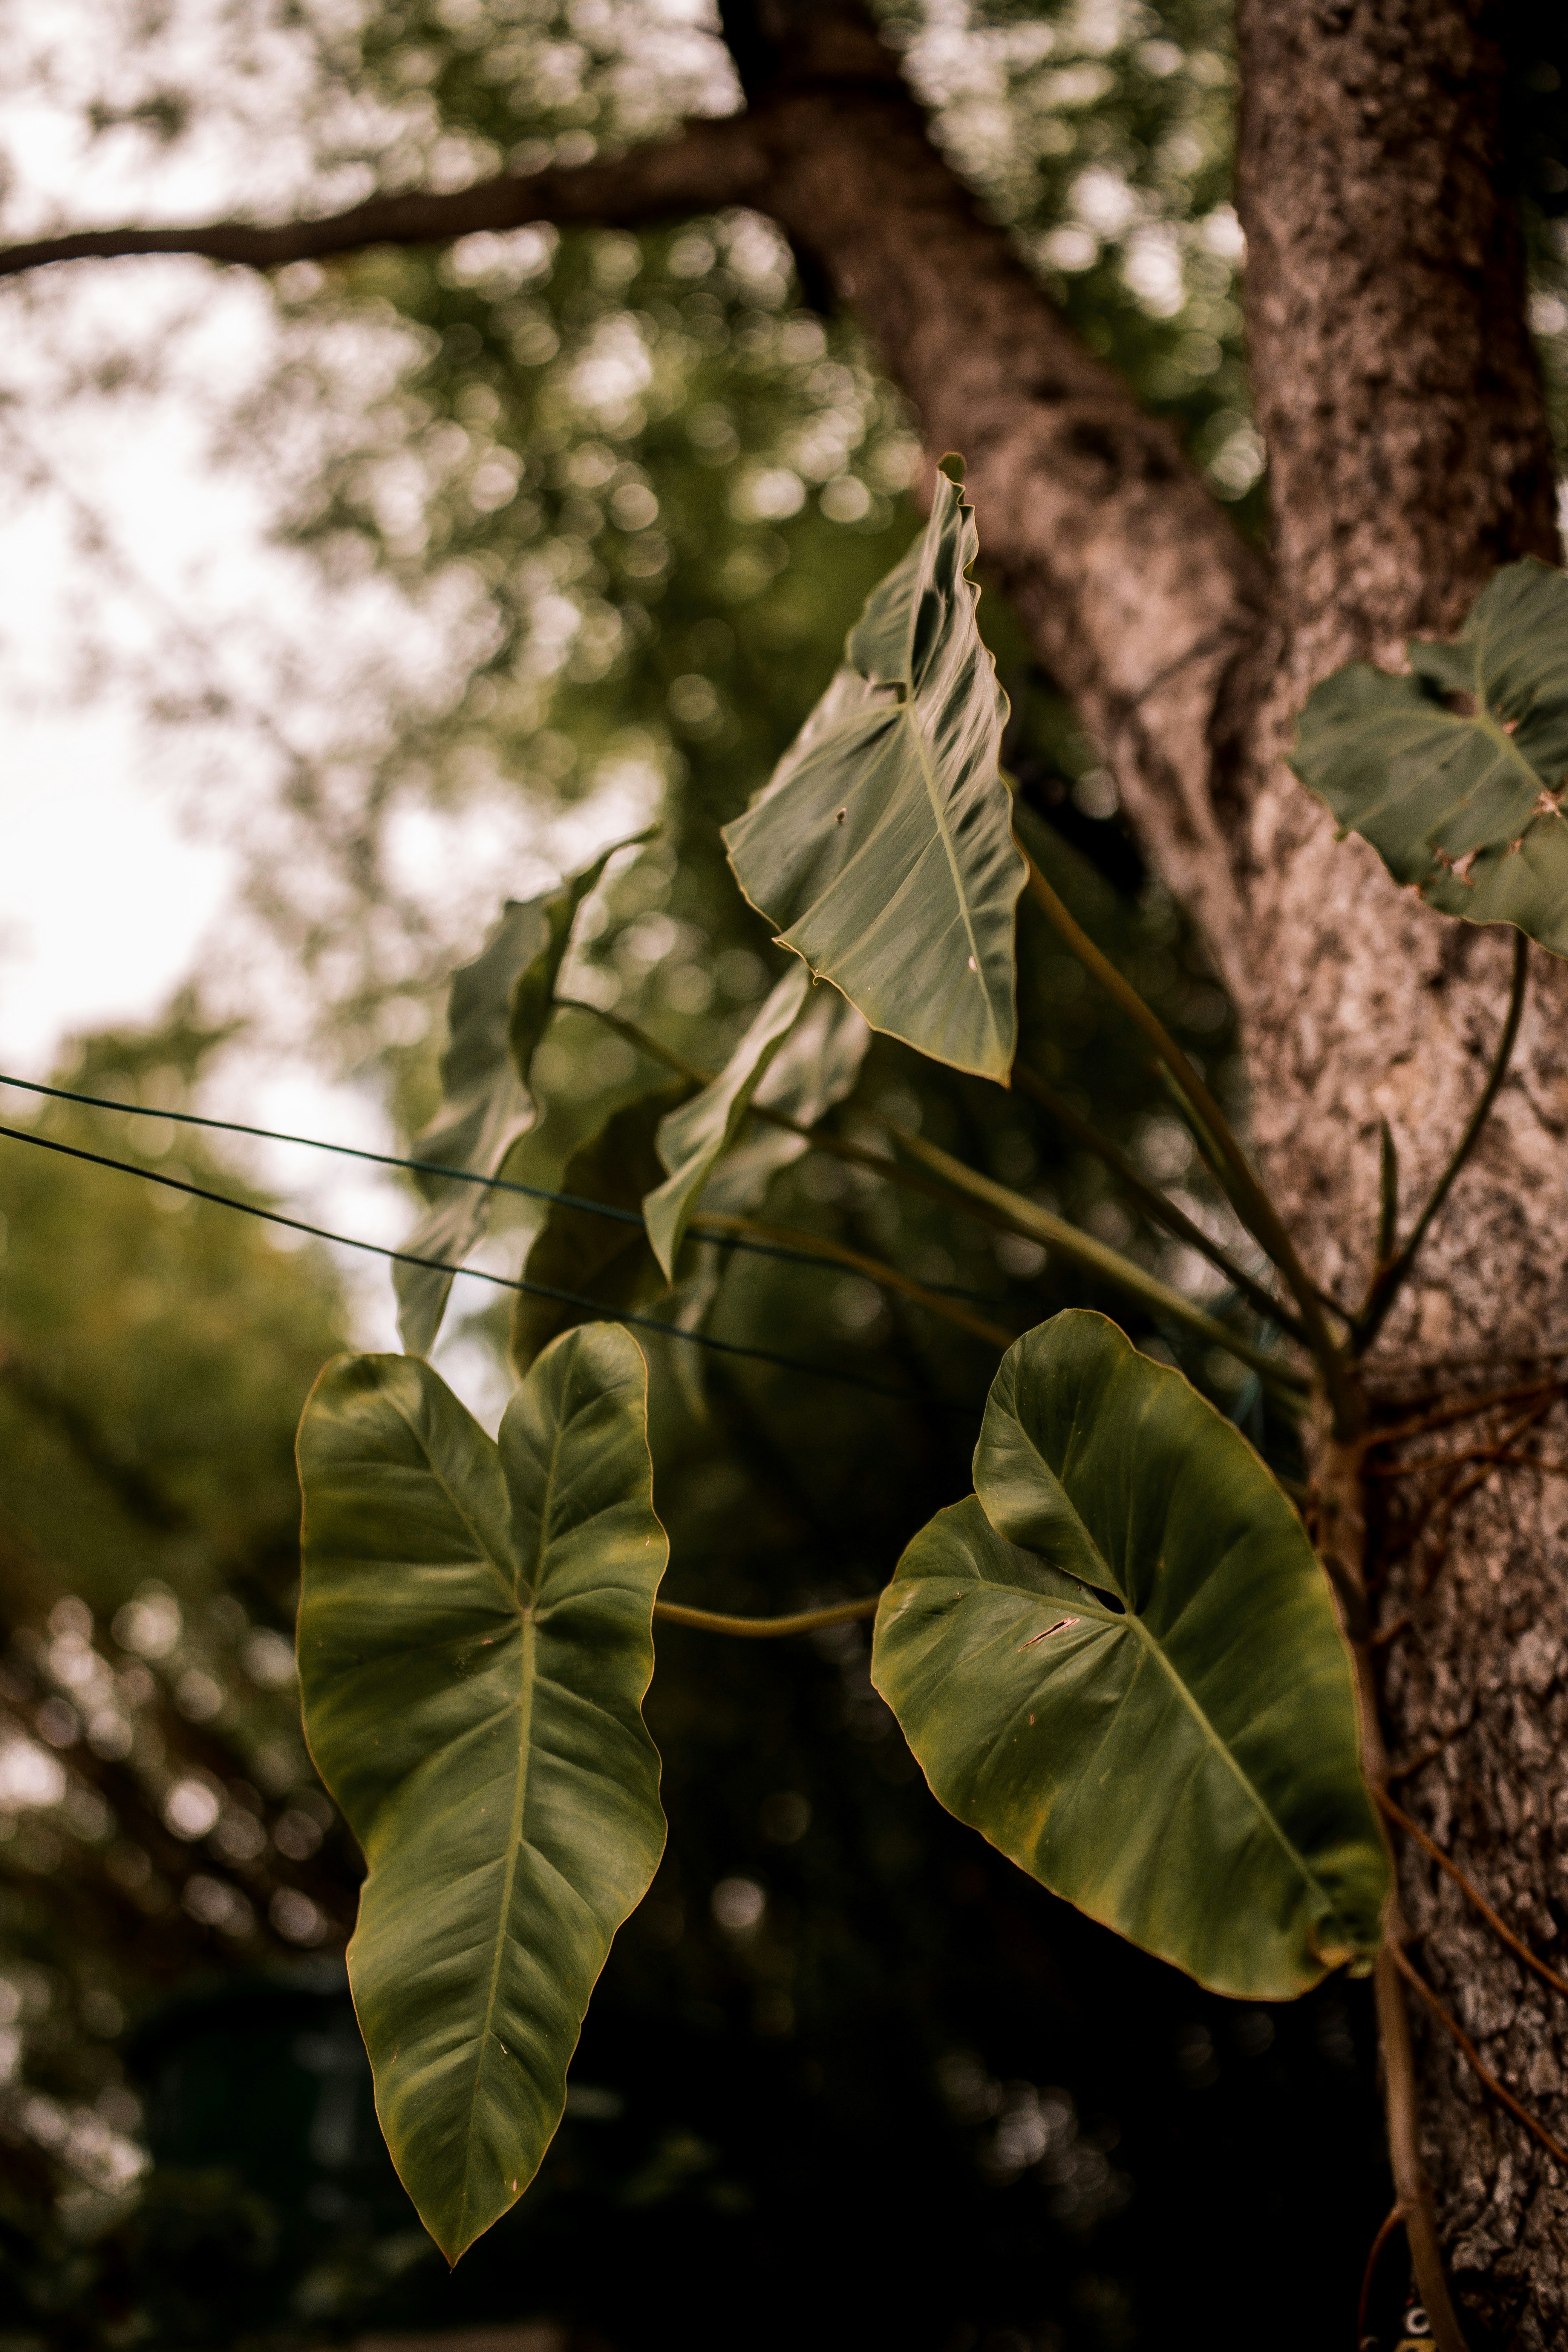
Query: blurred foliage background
point(849, 2077)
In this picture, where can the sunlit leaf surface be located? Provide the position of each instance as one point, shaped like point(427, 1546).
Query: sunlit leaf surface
point(881, 846)
point(1454, 774)
point(475, 1642)
point(1118, 1662)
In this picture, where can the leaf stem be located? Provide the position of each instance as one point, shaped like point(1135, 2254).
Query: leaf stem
point(1342, 1546)
point(965, 1188)
point(1387, 2229)
point(822, 1138)
point(645, 1041)
point(1251, 1203)
point(1099, 1257)
point(886, 1277)
point(1404, 2148)
point(1155, 1204)
point(1389, 1279)
point(1387, 1192)
point(767, 1629)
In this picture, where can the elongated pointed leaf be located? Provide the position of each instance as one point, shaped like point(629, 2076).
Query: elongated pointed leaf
point(475, 1641)
point(603, 1258)
point(882, 847)
point(496, 1013)
point(692, 1140)
point(1462, 802)
point(1118, 1662)
point(815, 1066)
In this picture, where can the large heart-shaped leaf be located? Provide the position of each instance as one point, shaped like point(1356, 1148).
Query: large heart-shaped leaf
point(692, 1139)
point(881, 846)
point(475, 1641)
point(1118, 1662)
point(604, 1258)
point(1454, 774)
point(497, 1010)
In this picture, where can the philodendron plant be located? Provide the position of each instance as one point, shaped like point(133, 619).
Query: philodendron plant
point(1119, 1658)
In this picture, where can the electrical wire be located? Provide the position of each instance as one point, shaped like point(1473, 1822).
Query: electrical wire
point(478, 1274)
point(458, 1175)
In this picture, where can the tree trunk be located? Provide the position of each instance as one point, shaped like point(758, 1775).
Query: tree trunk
point(1409, 457)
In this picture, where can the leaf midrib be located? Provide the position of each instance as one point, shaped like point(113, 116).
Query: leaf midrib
point(1199, 1714)
point(1483, 721)
point(908, 707)
point(911, 710)
point(527, 1682)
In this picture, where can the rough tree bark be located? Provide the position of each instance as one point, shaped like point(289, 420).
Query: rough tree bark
point(1409, 457)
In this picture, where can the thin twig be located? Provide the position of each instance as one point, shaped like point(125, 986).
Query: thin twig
point(1390, 1368)
point(1389, 1280)
point(1554, 2148)
point(1486, 1459)
point(1466, 1410)
point(1430, 1755)
point(1473, 1893)
point(1478, 1477)
point(767, 1629)
point(1554, 1469)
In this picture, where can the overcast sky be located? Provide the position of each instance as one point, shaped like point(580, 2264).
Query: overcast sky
point(127, 554)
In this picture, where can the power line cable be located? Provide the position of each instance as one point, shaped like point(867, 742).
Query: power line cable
point(439, 1168)
point(478, 1274)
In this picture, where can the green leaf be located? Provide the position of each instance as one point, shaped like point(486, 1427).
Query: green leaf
point(1118, 1662)
point(882, 847)
point(692, 1139)
point(815, 1066)
point(598, 1257)
point(1461, 803)
point(475, 1642)
point(497, 1012)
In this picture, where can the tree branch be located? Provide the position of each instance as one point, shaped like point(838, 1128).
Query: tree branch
point(711, 164)
point(1140, 598)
